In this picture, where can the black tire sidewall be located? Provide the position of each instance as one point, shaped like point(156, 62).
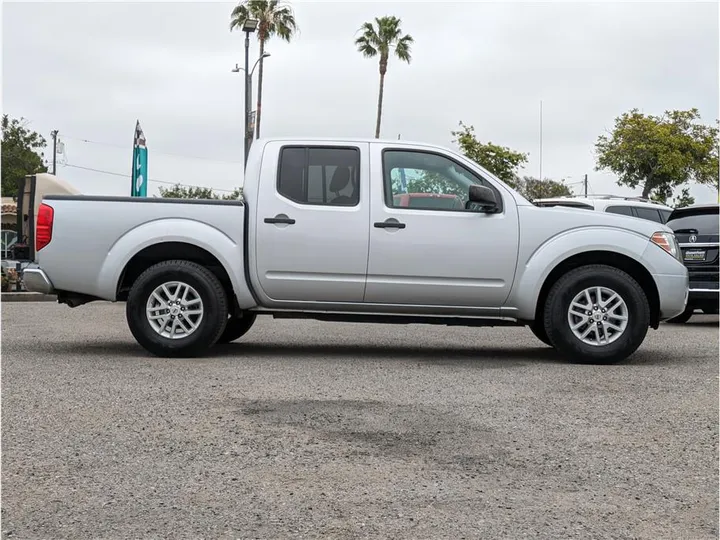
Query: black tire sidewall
point(237, 327)
point(538, 330)
point(213, 300)
point(565, 290)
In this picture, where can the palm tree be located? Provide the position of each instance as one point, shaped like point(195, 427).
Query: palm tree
point(380, 39)
point(275, 18)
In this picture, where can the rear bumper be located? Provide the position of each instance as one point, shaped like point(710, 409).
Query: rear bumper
point(673, 291)
point(36, 280)
point(704, 295)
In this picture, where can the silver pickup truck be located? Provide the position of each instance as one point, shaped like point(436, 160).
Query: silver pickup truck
point(322, 234)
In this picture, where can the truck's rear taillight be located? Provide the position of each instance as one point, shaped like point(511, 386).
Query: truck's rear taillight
point(44, 226)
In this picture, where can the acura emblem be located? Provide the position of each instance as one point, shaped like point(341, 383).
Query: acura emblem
point(693, 238)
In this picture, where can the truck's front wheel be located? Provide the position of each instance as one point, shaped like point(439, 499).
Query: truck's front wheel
point(596, 314)
point(177, 309)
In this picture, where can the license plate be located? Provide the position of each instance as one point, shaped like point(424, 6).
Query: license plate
point(695, 255)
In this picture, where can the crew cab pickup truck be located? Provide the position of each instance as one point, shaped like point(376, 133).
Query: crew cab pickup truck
point(318, 235)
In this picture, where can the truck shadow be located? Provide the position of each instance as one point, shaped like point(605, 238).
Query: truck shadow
point(487, 356)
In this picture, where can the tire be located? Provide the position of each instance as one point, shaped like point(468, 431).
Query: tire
point(538, 329)
point(710, 311)
point(203, 329)
point(684, 317)
point(237, 327)
point(632, 304)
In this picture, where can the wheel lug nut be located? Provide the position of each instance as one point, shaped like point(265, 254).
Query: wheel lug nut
point(604, 318)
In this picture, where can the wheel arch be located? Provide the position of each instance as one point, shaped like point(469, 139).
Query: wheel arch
point(608, 258)
point(165, 251)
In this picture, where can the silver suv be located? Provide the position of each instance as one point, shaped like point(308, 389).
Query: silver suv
point(626, 206)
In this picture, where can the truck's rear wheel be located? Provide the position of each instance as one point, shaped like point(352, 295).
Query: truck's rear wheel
point(596, 314)
point(237, 327)
point(177, 309)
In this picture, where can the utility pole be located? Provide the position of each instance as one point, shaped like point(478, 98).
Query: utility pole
point(585, 184)
point(54, 134)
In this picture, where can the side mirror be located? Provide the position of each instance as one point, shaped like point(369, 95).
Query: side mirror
point(482, 199)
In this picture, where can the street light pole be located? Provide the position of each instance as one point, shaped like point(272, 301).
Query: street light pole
point(249, 27)
point(248, 88)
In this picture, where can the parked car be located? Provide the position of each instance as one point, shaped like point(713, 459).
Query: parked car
point(319, 236)
point(696, 228)
point(626, 206)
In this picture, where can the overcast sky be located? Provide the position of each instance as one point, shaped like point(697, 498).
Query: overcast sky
point(90, 70)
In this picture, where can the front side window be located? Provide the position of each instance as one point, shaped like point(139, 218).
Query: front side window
point(422, 180)
point(324, 176)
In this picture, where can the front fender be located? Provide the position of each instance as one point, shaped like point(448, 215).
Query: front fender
point(202, 235)
point(537, 267)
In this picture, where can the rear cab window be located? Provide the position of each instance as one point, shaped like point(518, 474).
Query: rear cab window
point(316, 175)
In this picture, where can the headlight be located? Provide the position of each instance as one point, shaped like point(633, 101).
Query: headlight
point(668, 242)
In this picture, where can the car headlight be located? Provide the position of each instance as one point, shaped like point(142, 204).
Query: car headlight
point(668, 242)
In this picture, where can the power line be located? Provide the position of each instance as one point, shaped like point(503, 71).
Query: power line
point(149, 179)
point(154, 151)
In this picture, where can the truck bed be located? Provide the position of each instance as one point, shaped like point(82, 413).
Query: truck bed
point(104, 233)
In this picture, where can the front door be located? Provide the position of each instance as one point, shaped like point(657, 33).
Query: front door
point(312, 226)
point(426, 249)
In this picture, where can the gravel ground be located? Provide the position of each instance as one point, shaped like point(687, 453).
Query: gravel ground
point(320, 430)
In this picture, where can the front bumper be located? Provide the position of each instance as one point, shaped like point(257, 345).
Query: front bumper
point(36, 280)
point(673, 292)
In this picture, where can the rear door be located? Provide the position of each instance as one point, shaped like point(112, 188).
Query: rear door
point(312, 225)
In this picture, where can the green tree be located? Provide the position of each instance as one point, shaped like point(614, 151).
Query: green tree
point(275, 18)
point(21, 153)
point(684, 199)
point(499, 160)
point(532, 188)
point(379, 40)
point(179, 191)
point(659, 153)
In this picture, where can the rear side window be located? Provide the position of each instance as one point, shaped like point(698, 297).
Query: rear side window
point(702, 223)
point(648, 213)
point(622, 210)
point(665, 214)
point(327, 176)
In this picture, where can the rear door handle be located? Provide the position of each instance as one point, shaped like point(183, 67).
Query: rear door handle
point(280, 219)
point(389, 224)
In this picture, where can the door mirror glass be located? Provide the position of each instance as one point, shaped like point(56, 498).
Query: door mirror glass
point(481, 199)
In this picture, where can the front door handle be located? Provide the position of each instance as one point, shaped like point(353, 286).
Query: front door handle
point(391, 223)
point(280, 219)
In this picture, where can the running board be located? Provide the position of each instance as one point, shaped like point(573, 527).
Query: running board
point(395, 319)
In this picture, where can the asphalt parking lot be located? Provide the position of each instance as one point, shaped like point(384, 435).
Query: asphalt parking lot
point(319, 430)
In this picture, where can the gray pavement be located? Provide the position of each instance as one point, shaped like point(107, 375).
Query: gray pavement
point(320, 430)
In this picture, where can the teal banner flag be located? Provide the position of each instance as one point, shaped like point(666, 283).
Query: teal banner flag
point(140, 164)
